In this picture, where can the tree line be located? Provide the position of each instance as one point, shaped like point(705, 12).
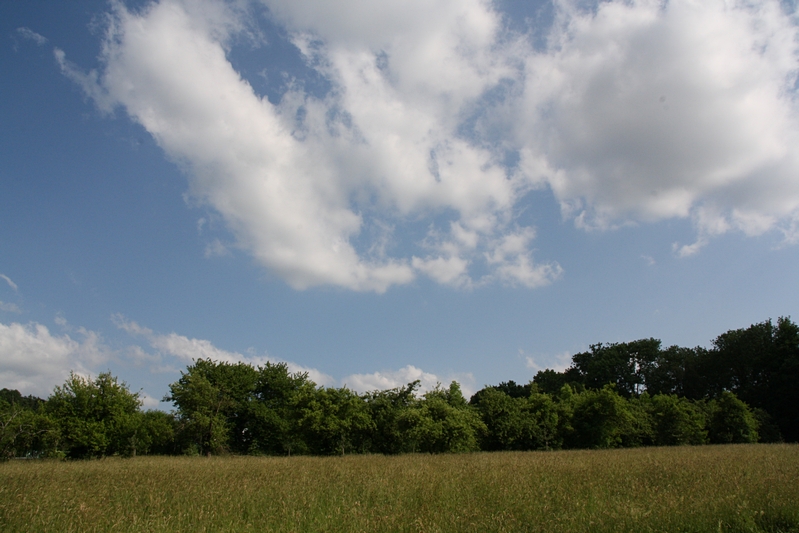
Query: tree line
point(741, 389)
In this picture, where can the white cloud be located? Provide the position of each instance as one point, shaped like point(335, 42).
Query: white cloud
point(450, 271)
point(645, 110)
point(86, 81)
point(216, 249)
point(31, 35)
point(34, 361)
point(148, 401)
point(558, 363)
point(397, 378)
point(635, 111)
point(10, 283)
point(187, 350)
point(382, 148)
point(391, 379)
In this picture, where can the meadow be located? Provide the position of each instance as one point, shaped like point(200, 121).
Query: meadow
point(677, 489)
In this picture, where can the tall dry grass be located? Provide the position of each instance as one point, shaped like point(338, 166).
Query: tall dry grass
point(685, 489)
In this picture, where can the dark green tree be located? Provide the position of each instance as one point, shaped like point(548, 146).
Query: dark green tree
point(677, 421)
point(601, 419)
point(551, 382)
point(156, 433)
point(760, 364)
point(386, 409)
point(274, 415)
point(730, 421)
point(25, 431)
point(14, 397)
point(676, 371)
point(502, 415)
point(520, 423)
point(621, 364)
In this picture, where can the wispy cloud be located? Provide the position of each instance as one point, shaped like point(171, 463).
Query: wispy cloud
point(186, 350)
point(216, 249)
point(27, 33)
point(9, 307)
point(10, 283)
point(559, 362)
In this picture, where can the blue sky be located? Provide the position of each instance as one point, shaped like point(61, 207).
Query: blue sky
point(382, 192)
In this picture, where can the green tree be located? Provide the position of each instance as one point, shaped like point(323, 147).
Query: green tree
point(760, 364)
point(14, 397)
point(203, 403)
point(25, 431)
point(676, 370)
point(386, 409)
point(520, 423)
point(442, 422)
point(273, 414)
point(95, 417)
point(731, 421)
point(502, 415)
point(547, 422)
point(551, 382)
point(334, 421)
point(621, 364)
point(601, 419)
point(156, 433)
point(677, 421)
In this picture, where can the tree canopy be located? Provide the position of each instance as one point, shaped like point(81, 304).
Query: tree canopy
point(741, 389)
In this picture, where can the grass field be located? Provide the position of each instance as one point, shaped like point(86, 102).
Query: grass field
point(681, 489)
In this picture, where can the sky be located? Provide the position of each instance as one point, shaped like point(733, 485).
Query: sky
point(379, 192)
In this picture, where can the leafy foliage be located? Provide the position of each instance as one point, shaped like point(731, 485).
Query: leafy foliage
point(95, 417)
point(630, 394)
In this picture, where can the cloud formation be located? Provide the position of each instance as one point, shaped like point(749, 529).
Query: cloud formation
point(34, 361)
point(10, 283)
point(29, 34)
point(302, 184)
point(635, 111)
point(187, 350)
point(647, 110)
point(9, 307)
point(392, 379)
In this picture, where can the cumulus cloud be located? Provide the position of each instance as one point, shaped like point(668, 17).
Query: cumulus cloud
point(34, 361)
point(634, 111)
point(302, 182)
point(646, 110)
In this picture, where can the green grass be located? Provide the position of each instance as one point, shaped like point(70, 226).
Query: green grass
point(708, 488)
